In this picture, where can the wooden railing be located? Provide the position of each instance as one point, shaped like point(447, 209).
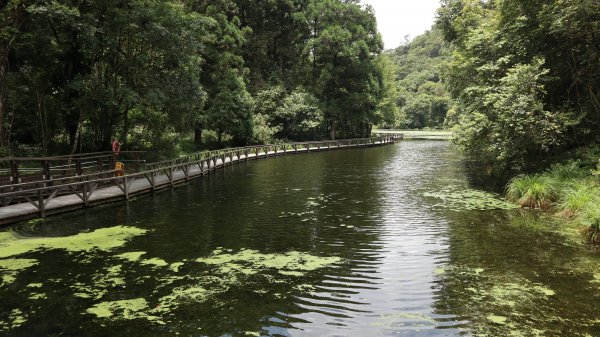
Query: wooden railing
point(16, 170)
point(152, 176)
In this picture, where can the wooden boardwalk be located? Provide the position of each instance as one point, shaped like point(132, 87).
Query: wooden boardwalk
point(44, 198)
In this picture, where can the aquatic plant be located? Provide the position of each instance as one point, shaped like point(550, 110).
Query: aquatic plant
point(577, 197)
point(535, 191)
point(468, 199)
point(591, 218)
point(101, 239)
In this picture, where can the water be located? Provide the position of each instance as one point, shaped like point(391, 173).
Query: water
point(386, 242)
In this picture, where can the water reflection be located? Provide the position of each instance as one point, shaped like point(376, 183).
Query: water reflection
point(216, 260)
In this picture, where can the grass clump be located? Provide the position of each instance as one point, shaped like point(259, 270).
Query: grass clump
point(578, 197)
point(591, 218)
point(571, 189)
point(535, 191)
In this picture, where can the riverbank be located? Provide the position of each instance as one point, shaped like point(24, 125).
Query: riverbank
point(570, 191)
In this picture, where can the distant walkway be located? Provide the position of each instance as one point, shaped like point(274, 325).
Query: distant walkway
point(23, 201)
point(417, 134)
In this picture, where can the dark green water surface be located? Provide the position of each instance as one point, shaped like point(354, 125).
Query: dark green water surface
point(390, 241)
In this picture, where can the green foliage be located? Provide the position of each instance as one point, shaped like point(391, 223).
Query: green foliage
point(524, 79)
point(579, 197)
point(388, 112)
point(342, 48)
point(591, 217)
point(295, 116)
point(299, 117)
point(74, 74)
point(535, 191)
point(569, 187)
point(422, 97)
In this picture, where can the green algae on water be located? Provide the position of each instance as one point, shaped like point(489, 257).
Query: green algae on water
point(124, 309)
point(250, 261)
point(181, 295)
point(131, 256)
point(496, 319)
point(102, 239)
point(37, 296)
point(501, 304)
point(175, 266)
point(83, 290)
point(6, 236)
point(155, 262)
point(454, 198)
point(16, 318)
point(9, 268)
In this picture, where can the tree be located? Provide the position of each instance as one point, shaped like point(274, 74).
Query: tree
point(422, 97)
point(299, 117)
point(525, 81)
point(228, 104)
point(342, 48)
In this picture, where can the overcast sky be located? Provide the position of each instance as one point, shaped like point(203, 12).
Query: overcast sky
point(398, 18)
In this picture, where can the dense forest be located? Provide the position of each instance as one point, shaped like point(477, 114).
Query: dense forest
point(517, 80)
point(176, 75)
point(525, 77)
point(422, 98)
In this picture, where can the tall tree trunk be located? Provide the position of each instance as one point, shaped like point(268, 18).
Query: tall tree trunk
point(198, 135)
point(43, 130)
point(3, 70)
point(125, 126)
point(332, 129)
point(75, 137)
point(13, 16)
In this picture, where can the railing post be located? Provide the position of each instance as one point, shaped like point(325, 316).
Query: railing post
point(100, 166)
point(78, 169)
point(46, 169)
point(125, 188)
point(14, 169)
point(41, 207)
point(85, 194)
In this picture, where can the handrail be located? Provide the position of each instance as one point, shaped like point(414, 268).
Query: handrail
point(73, 156)
point(54, 180)
point(40, 193)
point(133, 175)
point(17, 169)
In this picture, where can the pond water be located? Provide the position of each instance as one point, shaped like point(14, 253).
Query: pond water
point(389, 241)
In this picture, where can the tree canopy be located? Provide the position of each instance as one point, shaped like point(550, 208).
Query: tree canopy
point(163, 74)
point(525, 76)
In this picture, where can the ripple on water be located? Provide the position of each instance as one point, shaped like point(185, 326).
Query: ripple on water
point(377, 242)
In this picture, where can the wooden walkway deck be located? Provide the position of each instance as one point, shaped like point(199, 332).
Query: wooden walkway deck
point(43, 198)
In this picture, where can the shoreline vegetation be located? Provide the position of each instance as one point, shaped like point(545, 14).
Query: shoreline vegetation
point(570, 191)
